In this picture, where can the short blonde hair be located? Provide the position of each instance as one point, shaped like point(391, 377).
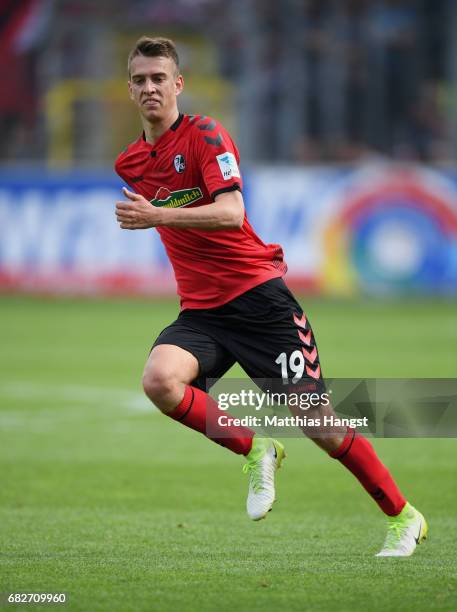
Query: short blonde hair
point(154, 47)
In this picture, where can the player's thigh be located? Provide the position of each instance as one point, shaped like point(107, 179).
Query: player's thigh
point(203, 357)
point(172, 363)
point(279, 348)
point(280, 354)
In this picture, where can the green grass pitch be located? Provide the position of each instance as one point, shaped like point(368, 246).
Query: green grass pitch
point(121, 508)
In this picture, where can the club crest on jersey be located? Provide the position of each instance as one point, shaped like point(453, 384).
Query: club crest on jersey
point(180, 163)
point(164, 198)
point(227, 165)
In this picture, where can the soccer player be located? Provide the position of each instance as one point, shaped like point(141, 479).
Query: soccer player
point(185, 181)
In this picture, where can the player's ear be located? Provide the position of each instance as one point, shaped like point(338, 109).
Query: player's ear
point(130, 90)
point(179, 84)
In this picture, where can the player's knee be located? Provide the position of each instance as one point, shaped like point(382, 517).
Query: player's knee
point(161, 387)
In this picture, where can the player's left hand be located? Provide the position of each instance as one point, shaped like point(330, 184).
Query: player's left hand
point(137, 213)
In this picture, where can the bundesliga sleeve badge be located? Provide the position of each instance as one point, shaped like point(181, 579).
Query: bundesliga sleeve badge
point(228, 166)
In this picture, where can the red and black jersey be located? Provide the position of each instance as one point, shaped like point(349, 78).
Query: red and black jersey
point(189, 165)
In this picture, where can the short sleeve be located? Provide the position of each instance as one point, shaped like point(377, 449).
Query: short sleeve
point(217, 157)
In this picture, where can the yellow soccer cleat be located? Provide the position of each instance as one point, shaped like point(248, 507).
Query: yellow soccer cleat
point(264, 459)
point(404, 533)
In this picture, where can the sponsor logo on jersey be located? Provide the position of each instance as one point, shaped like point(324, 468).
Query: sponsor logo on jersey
point(180, 163)
point(164, 198)
point(228, 166)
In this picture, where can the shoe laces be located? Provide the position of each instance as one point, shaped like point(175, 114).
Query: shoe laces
point(252, 468)
point(395, 531)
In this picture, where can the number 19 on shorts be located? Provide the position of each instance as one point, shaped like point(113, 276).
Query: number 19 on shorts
point(295, 365)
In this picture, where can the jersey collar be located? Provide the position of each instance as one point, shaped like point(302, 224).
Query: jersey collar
point(172, 127)
point(177, 123)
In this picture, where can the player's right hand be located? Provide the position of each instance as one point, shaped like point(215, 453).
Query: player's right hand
point(137, 212)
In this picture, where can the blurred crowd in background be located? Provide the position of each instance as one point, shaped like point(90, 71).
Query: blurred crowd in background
point(304, 81)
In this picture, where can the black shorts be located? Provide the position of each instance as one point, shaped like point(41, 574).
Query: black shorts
point(264, 330)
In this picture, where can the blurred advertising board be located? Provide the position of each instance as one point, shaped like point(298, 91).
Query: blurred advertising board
point(378, 228)
point(58, 233)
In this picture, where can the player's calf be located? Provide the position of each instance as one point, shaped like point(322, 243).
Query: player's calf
point(357, 454)
point(328, 437)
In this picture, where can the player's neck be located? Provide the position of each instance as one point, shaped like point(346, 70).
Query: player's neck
point(153, 131)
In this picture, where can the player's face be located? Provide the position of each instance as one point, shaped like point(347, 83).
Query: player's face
point(154, 84)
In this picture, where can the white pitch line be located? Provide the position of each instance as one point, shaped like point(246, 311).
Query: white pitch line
point(80, 394)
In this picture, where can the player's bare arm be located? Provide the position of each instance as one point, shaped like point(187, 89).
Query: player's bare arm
point(227, 212)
